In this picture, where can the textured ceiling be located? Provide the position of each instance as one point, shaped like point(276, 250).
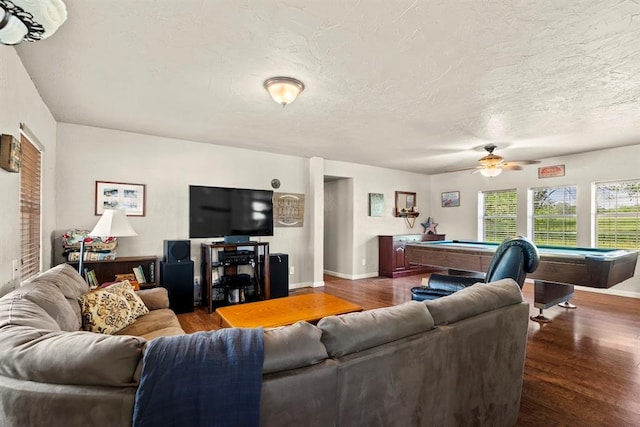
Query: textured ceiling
point(406, 84)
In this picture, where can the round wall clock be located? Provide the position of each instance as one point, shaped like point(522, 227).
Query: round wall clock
point(275, 183)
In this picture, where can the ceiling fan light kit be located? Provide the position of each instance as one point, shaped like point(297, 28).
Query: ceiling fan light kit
point(492, 165)
point(490, 171)
point(284, 90)
point(30, 20)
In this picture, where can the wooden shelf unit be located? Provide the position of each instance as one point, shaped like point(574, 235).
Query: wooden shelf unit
point(222, 266)
point(106, 270)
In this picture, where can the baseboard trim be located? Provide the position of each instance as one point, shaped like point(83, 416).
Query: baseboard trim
point(350, 276)
point(609, 291)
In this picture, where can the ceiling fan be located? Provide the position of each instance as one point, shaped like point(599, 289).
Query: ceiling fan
point(492, 164)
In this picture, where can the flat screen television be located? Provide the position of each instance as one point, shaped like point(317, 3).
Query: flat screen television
point(222, 211)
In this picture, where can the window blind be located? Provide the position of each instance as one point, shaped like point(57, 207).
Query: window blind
point(618, 214)
point(554, 216)
point(30, 182)
point(499, 215)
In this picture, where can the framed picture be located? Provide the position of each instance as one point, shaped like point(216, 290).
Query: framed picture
point(411, 201)
point(451, 199)
point(376, 204)
point(120, 195)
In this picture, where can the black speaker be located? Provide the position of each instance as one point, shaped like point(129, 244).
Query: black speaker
point(279, 275)
point(177, 278)
point(177, 251)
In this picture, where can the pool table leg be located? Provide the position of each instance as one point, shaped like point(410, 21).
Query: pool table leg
point(567, 304)
point(540, 318)
point(547, 294)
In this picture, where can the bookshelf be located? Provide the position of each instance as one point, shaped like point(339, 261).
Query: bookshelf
point(106, 270)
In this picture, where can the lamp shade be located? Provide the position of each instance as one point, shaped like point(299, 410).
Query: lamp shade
point(113, 222)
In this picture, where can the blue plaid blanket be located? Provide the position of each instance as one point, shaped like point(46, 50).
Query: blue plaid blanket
point(202, 379)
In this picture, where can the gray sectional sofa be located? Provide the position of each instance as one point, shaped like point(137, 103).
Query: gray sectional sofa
point(454, 361)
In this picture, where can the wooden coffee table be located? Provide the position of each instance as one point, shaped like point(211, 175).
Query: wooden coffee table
point(284, 311)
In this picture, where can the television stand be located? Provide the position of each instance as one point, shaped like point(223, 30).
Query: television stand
point(234, 273)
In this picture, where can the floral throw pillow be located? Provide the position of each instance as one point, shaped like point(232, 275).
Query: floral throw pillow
point(125, 290)
point(105, 312)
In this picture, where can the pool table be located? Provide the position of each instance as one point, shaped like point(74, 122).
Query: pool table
point(560, 267)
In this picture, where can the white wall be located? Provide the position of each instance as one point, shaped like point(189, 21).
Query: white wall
point(167, 167)
point(21, 103)
point(369, 179)
point(338, 227)
point(580, 169)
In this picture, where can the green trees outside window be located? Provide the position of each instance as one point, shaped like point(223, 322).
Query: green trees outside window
point(618, 214)
point(499, 215)
point(554, 216)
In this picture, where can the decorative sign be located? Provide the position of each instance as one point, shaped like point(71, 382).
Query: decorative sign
point(288, 210)
point(376, 204)
point(10, 153)
point(551, 171)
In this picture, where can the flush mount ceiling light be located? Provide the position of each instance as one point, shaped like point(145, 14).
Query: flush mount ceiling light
point(283, 90)
point(30, 20)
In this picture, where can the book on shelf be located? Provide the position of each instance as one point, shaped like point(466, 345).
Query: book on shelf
point(130, 277)
point(152, 272)
point(139, 273)
point(90, 277)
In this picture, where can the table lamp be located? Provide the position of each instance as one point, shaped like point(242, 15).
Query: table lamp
point(113, 222)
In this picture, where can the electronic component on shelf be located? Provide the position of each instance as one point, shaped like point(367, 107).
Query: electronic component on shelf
point(236, 280)
point(238, 257)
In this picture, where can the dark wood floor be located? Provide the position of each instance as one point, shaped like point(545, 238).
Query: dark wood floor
point(583, 369)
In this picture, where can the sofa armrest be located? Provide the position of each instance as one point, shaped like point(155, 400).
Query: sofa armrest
point(155, 298)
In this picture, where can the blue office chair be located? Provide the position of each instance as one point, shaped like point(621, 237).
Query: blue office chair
point(514, 258)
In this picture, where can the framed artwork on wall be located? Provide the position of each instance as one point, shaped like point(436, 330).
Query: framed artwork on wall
point(120, 195)
point(376, 204)
point(450, 199)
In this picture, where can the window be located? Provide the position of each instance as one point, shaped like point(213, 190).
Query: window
point(554, 220)
point(30, 209)
point(499, 212)
point(618, 214)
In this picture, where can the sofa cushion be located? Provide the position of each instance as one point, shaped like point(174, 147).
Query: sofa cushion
point(291, 347)
point(105, 312)
point(69, 357)
point(154, 298)
point(474, 300)
point(125, 289)
point(70, 283)
point(353, 332)
point(18, 311)
point(52, 301)
point(154, 324)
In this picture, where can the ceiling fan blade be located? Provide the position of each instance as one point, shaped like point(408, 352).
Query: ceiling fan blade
point(524, 162)
point(476, 171)
point(510, 166)
point(464, 169)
